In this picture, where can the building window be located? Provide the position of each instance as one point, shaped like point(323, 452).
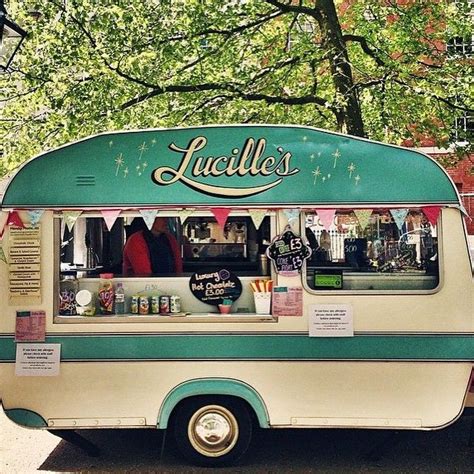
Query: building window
point(462, 46)
point(463, 131)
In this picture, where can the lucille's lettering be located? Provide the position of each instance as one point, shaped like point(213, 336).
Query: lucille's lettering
point(251, 160)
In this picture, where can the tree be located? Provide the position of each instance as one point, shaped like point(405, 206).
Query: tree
point(375, 68)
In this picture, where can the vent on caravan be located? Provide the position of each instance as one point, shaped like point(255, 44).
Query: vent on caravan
point(86, 180)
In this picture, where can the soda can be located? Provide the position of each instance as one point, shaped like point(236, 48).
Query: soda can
point(155, 304)
point(144, 305)
point(134, 304)
point(175, 304)
point(164, 304)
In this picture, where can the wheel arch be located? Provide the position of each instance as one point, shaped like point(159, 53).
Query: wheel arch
point(213, 386)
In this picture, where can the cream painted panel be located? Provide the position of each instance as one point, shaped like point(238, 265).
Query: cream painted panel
point(423, 395)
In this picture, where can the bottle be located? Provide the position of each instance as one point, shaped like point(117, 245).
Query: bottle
point(119, 299)
point(68, 288)
point(106, 294)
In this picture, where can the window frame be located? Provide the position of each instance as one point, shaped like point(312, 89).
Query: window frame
point(369, 292)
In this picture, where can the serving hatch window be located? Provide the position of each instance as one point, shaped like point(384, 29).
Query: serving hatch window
point(169, 248)
point(381, 253)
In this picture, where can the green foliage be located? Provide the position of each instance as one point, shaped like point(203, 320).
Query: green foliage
point(93, 65)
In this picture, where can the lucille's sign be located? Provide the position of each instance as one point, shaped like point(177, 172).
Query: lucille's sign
point(251, 160)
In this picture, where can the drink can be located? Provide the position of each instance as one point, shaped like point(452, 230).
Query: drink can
point(164, 304)
point(175, 304)
point(155, 304)
point(134, 304)
point(144, 305)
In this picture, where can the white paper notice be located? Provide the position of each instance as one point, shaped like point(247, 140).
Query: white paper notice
point(37, 359)
point(331, 320)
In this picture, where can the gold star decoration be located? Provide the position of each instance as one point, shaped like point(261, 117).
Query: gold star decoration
point(336, 155)
point(119, 161)
point(125, 172)
point(142, 149)
point(316, 173)
point(357, 179)
point(351, 168)
point(111, 143)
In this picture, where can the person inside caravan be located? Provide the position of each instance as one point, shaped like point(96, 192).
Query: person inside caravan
point(154, 251)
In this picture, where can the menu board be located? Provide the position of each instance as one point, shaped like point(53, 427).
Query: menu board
point(287, 301)
point(25, 262)
point(288, 252)
point(30, 326)
point(215, 287)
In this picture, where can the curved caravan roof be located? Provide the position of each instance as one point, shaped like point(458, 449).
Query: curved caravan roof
point(228, 165)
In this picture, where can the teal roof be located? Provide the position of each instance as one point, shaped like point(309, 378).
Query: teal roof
point(241, 165)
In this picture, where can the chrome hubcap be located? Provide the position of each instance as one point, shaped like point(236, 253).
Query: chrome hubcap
point(213, 431)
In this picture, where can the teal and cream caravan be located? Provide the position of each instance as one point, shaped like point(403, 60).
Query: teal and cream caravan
point(325, 282)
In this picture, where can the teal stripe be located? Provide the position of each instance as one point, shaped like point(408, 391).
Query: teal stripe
point(217, 346)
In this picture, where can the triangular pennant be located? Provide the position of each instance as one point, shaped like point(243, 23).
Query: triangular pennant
point(34, 216)
point(257, 216)
point(363, 216)
point(432, 213)
point(183, 214)
point(326, 217)
point(110, 216)
point(221, 214)
point(3, 258)
point(149, 216)
point(3, 222)
point(14, 219)
point(70, 218)
point(293, 218)
point(399, 216)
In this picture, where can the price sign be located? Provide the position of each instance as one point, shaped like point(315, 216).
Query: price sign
point(288, 252)
point(215, 287)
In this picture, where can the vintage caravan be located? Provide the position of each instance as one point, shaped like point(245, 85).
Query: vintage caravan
point(321, 280)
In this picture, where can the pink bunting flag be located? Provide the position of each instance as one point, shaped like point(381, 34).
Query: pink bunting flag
point(431, 213)
point(110, 216)
point(14, 219)
point(3, 222)
point(221, 214)
point(326, 216)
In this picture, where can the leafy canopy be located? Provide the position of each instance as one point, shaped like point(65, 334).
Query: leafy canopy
point(372, 68)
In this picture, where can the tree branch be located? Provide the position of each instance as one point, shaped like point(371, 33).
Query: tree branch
point(365, 47)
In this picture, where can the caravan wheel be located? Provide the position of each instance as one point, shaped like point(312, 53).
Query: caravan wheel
point(213, 431)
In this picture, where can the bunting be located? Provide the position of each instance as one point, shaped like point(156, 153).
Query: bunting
point(110, 216)
point(431, 213)
point(257, 216)
point(149, 216)
point(3, 258)
point(399, 216)
point(293, 218)
point(363, 216)
point(183, 214)
point(326, 217)
point(70, 218)
point(221, 214)
point(14, 219)
point(34, 216)
point(3, 222)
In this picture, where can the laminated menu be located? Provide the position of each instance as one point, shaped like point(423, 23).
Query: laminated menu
point(30, 326)
point(287, 301)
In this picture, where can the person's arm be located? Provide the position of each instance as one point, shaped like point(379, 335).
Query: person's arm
point(137, 256)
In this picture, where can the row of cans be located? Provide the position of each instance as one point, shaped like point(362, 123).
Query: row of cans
point(164, 304)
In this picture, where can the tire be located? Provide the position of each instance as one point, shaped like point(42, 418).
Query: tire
point(212, 431)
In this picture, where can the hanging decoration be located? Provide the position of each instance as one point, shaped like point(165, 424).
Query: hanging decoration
point(3, 222)
point(34, 216)
point(399, 216)
point(293, 218)
point(70, 218)
point(110, 216)
point(14, 220)
point(183, 214)
point(221, 214)
point(3, 258)
point(326, 217)
point(363, 216)
point(431, 213)
point(257, 216)
point(149, 216)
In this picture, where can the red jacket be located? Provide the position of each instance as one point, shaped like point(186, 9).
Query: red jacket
point(136, 255)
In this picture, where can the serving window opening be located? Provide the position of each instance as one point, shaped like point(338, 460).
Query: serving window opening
point(383, 255)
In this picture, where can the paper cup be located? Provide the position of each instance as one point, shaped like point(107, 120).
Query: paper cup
point(225, 308)
point(262, 302)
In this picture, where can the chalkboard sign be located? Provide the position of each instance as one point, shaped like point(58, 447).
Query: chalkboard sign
point(288, 252)
point(215, 287)
point(355, 252)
